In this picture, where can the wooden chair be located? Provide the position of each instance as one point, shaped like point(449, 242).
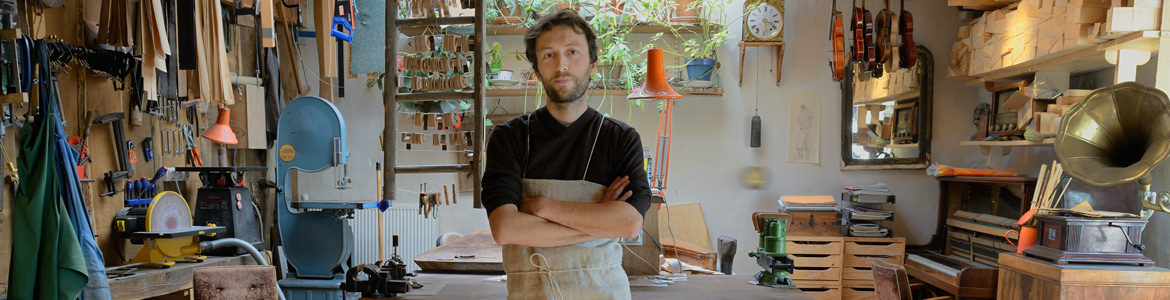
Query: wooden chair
point(890, 282)
point(235, 282)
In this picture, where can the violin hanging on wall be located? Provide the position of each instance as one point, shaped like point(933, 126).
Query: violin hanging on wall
point(882, 47)
point(857, 26)
point(907, 51)
point(870, 60)
point(837, 37)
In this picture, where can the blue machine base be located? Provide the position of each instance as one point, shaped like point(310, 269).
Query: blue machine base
point(315, 289)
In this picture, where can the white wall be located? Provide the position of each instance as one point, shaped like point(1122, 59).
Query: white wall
point(711, 134)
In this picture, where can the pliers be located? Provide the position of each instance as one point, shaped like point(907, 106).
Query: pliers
point(192, 151)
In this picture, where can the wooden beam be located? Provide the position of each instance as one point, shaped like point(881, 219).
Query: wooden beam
point(326, 49)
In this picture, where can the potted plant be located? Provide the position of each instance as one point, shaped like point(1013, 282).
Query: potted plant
point(574, 5)
point(652, 10)
point(686, 11)
point(504, 12)
point(699, 44)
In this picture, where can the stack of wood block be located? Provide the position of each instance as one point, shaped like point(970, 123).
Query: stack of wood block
point(1036, 28)
point(839, 267)
point(899, 80)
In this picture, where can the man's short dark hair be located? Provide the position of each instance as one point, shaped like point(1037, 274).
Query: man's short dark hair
point(564, 17)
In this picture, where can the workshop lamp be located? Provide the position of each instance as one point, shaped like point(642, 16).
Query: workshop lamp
point(222, 134)
point(656, 87)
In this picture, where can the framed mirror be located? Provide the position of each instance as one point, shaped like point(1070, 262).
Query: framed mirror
point(885, 121)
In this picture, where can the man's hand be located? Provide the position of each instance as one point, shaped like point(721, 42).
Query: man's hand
point(614, 191)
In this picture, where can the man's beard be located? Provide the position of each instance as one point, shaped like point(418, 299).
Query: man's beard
point(579, 88)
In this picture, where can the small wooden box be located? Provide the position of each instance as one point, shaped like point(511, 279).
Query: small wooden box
point(815, 223)
point(1029, 278)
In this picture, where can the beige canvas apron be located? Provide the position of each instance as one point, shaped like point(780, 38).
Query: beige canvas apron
point(586, 270)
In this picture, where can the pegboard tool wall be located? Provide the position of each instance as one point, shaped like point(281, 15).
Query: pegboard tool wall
point(81, 90)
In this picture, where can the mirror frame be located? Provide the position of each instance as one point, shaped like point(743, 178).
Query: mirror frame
point(925, 105)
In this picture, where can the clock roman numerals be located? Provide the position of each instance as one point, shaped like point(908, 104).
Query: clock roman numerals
point(764, 22)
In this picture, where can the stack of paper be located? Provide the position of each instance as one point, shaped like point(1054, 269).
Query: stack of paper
point(871, 193)
point(866, 229)
point(869, 214)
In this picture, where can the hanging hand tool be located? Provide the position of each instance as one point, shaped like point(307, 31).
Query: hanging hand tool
point(192, 151)
point(422, 197)
point(342, 16)
point(147, 148)
point(112, 177)
point(131, 155)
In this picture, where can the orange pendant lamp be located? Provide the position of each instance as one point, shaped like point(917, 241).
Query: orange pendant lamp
point(221, 133)
point(656, 87)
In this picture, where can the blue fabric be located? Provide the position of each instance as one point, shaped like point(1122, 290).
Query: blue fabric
point(66, 162)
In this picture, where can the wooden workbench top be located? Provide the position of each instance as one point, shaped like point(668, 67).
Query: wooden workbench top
point(150, 282)
point(696, 287)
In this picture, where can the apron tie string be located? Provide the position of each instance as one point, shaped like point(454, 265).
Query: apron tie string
point(542, 268)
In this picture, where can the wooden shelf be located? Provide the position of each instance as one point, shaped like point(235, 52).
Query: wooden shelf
point(895, 97)
point(1075, 59)
point(1020, 143)
point(518, 29)
point(981, 4)
point(531, 91)
point(995, 150)
point(652, 28)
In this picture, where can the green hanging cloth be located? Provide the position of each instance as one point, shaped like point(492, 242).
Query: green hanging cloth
point(47, 262)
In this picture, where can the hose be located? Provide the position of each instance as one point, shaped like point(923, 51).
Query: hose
point(234, 242)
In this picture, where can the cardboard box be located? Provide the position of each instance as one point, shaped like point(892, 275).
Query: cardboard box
point(1026, 114)
point(1046, 124)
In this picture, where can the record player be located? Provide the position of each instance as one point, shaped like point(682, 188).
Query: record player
point(1075, 239)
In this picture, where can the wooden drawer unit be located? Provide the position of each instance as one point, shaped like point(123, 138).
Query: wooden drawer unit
point(814, 245)
point(815, 260)
point(820, 290)
point(857, 289)
point(816, 273)
point(875, 246)
point(867, 260)
point(858, 293)
point(857, 273)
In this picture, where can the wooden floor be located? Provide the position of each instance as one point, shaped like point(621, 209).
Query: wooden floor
point(696, 287)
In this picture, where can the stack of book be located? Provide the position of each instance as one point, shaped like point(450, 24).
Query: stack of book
point(864, 210)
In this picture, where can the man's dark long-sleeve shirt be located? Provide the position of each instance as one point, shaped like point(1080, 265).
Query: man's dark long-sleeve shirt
point(560, 152)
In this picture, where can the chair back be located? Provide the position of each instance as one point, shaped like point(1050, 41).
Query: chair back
point(890, 281)
point(235, 282)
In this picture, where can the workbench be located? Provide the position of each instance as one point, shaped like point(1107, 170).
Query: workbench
point(459, 286)
point(151, 282)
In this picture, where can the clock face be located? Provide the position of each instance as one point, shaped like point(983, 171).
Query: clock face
point(765, 21)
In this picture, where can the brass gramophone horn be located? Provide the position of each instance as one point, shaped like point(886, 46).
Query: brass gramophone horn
point(1115, 135)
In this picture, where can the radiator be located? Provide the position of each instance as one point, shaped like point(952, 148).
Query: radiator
point(415, 235)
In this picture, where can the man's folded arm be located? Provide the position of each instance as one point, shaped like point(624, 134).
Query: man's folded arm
point(512, 227)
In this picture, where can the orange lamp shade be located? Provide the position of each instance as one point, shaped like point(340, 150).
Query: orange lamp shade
point(221, 132)
point(655, 85)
